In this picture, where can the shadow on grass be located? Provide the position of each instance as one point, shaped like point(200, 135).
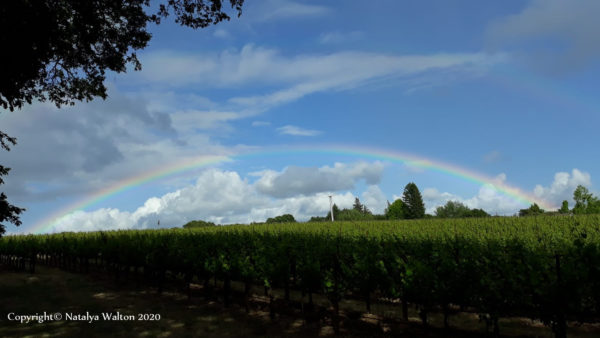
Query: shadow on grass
point(52, 290)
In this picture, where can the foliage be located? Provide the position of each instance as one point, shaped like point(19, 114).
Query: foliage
point(336, 212)
point(286, 218)
point(198, 224)
point(61, 50)
point(455, 209)
point(413, 202)
point(533, 210)
point(545, 268)
point(8, 212)
point(564, 208)
point(585, 202)
point(357, 205)
point(353, 215)
point(395, 210)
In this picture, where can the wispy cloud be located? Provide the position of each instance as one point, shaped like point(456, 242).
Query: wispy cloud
point(551, 35)
point(297, 131)
point(339, 37)
point(271, 10)
point(260, 123)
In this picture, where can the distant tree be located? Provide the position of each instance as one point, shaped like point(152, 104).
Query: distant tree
point(357, 205)
point(455, 209)
point(286, 218)
point(336, 212)
point(533, 210)
point(366, 210)
point(585, 202)
point(413, 202)
point(395, 210)
point(353, 215)
point(198, 224)
point(8, 212)
point(564, 208)
point(452, 209)
point(478, 213)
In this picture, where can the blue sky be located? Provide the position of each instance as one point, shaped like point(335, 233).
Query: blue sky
point(504, 89)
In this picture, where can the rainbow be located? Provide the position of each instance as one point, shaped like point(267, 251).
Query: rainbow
point(47, 223)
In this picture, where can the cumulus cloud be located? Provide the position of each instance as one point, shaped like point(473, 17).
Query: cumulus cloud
point(555, 35)
point(374, 199)
point(563, 186)
point(297, 131)
point(487, 198)
point(218, 196)
point(294, 180)
point(90, 146)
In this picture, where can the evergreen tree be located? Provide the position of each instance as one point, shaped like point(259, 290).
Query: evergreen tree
point(413, 202)
point(357, 205)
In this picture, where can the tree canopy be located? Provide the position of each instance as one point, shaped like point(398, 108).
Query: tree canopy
point(455, 209)
point(533, 210)
point(413, 202)
point(395, 210)
point(286, 218)
point(198, 224)
point(60, 50)
point(585, 201)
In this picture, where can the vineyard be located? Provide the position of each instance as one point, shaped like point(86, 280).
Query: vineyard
point(545, 268)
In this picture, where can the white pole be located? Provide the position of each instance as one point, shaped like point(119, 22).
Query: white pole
point(331, 207)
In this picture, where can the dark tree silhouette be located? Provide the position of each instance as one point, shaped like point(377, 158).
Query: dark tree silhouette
point(8, 212)
point(60, 50)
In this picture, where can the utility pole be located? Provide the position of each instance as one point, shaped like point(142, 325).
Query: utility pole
point(331, 207)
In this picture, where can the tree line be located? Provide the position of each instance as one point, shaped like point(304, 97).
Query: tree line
point(411, 206)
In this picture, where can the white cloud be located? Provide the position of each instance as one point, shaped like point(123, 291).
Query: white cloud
point(217, 196)
point(339, 37)
point(271, 10)
point(487, 198)
point(99, 143)
point(563, 186)
point(374, 199)
point(297, 131)
point(492, 157)
point(300, 75)
point(553, 35)
point(194, 120)
point(294, 180)
point(221, 33)
point(260, 123)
